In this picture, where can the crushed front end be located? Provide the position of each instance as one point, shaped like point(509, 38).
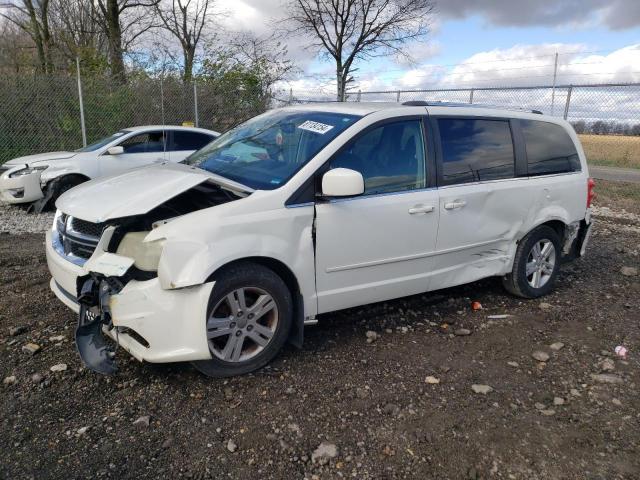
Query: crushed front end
point(107, 273)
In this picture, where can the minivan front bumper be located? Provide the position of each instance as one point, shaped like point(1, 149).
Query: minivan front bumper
point(152, 324)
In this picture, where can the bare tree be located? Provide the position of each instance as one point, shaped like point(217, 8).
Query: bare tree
point(266, 55)
point(186, 20)
point(16, 48)
point(75, 33)
point(352, 30)
point(109, 14)
point(32, 16)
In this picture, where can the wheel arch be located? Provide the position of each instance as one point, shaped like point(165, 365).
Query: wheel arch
point(78, 175)
point(557, 225)
point(296, 335)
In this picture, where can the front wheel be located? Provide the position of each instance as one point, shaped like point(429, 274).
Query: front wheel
point(54, 189)
point(248, 320)
point(536, 264)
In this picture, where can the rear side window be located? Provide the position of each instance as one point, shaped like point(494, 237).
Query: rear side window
point(391, 158)
point(549, 148)
point(184, 140)
point(475, 150)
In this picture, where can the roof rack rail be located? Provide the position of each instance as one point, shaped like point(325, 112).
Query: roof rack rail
point(424, 103)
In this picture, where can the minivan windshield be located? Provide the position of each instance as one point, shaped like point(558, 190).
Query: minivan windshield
point(102, 142)
point(266, 151)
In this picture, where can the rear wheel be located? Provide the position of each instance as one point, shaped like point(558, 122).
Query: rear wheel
point(248, 320)
point(536, 264)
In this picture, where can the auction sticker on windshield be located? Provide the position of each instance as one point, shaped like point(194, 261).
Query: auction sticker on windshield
point(315, 127)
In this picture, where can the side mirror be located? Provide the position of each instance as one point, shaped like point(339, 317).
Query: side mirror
point(115, 150)
point(342, 182)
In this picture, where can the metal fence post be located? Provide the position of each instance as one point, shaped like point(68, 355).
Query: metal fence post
point(82, 125)
point(398, 96)
point(359, 96)
point(566, 105)
point(471, 96)
point(290, 96)
point(162, 97)
point(195, 104)
point(553, 89)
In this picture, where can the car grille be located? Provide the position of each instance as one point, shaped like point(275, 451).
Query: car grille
point(87, 228)
point(76, 239)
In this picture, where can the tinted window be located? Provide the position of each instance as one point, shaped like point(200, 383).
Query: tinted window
point(475, 150)
point(390, 157)
point(184, 140)
point(549, 148)
point(149, 142)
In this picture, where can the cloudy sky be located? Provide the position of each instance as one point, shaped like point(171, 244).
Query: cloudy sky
point(484, 43)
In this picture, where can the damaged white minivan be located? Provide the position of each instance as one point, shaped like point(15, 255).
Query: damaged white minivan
point(310, 209)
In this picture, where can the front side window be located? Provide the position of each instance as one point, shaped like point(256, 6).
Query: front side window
point(148, 142)
point(266, 151)
point(475, 150)
point(549, 148)
point(390, 158)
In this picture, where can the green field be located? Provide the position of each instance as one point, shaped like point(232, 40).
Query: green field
point(612, 150)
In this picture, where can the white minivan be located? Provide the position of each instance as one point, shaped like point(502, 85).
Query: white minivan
point(305, 210)
point(40, 179)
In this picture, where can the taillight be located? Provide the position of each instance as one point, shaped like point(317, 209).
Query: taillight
point(590, 193)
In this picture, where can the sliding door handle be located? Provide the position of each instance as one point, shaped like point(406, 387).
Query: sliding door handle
point(421, 209)
point(454, 205)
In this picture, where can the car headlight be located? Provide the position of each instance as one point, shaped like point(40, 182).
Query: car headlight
point(58, 222)
point(27, 171)
point(146, 255)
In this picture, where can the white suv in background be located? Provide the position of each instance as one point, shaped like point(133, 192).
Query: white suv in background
point(307, 210)
point(42, 178)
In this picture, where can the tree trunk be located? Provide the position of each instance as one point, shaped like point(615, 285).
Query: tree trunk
point(340, 79)
point(189, 54)
point(114, 32)
point(36, 34)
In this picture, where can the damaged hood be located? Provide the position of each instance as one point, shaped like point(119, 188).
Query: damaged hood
point(136, 191)
point(40, 157)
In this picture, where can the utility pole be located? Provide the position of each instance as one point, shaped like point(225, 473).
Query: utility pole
point(553, 89)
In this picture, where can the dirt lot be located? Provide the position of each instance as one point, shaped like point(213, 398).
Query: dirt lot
point(542, 420)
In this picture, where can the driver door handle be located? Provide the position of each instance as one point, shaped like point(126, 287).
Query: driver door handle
point(454, 205)
point(417, 209)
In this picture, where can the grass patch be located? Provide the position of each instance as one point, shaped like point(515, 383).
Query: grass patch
point(612, 150)
point(618, 195)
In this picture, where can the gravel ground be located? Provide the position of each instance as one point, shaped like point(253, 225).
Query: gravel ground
point(439, 391)
point(15, 220)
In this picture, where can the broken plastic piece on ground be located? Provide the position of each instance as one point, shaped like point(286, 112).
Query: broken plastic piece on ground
point(476, 306)
point(621, 351)
point(92, 346)
point(498, 317)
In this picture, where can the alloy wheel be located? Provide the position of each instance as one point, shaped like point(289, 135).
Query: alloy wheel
point(541, 263)
point(242, 324)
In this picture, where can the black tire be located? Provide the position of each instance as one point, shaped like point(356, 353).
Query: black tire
point(55, 188)
point(249, 275)
point(517, 282)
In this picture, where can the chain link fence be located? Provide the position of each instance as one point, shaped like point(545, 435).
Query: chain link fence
point(43, 113)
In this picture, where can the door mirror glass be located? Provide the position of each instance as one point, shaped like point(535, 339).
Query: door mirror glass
point(342, 182)
point(115, 150)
